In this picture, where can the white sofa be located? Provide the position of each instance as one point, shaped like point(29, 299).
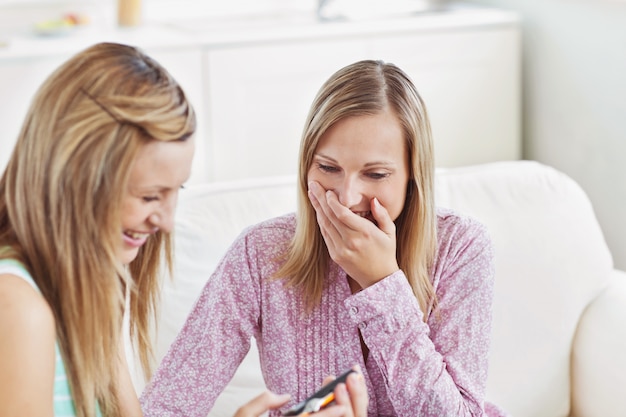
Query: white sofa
point(559, 331)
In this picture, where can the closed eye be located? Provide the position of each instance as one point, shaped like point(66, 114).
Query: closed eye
point(327, 168)
point(149, 199)
point(378, 175)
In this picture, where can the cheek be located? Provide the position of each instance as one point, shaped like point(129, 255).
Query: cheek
point(132, 214)
point(314, 175)
point(392, 198)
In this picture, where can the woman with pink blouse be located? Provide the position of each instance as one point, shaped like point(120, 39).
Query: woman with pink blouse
point(368, 272)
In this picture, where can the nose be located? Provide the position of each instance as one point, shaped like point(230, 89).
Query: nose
point(163, 218)
point(349, 192)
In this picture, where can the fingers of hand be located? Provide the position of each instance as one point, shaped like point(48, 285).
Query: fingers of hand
point(365, 250)
point(353, 230)
point(328, 380)
point(335, 213)
point(343, 217)
point(325, 216)
point(334, 411)
point(317, 195)
point(358, 394)
point(261, 403)
point(343, 399)
point(381, 215)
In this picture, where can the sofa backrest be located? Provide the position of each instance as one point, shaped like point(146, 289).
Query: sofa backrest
point(551, 260)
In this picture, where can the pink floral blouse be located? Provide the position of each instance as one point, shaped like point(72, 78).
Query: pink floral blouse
point(414, 368)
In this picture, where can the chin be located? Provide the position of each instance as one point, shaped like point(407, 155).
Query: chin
point(128, 256)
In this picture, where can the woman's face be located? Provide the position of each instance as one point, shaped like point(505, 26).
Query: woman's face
point(148, 205)
point(363, 157)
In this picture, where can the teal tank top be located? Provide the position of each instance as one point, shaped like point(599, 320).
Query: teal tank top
point(63, 401)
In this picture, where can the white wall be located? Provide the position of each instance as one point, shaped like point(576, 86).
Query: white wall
point(574, 89)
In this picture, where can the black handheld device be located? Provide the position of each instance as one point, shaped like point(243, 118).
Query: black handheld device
point(320, 399)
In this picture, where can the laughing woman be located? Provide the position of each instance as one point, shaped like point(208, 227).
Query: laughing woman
point(368, 272)
point(86, 209)
point(86, 206)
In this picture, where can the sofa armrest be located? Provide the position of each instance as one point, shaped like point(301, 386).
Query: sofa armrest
point(599, 354)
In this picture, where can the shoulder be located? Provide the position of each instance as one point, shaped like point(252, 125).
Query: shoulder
point(266, 238)
point(27, 351)
point(464, 260)
point(286, 222)
point(455, 228)
point(463, 244)
point(273, 230)
point(24, 311)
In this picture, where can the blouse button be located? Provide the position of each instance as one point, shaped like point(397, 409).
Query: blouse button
point(353, 310)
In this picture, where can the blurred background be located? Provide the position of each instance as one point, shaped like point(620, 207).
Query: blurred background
point(503, 79)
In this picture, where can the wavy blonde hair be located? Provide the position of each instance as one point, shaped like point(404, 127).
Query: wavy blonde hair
point(365, 88)
point(60, 202)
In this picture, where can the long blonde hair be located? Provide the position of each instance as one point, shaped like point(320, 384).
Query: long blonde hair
point(366, 88)
point(60, 200)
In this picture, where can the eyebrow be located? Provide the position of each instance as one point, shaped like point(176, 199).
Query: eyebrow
point(369, 164)
point(151, 188)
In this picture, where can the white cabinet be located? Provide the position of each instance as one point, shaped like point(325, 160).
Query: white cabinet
point(259, 97)
point(252, 87)
point(259, 94)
